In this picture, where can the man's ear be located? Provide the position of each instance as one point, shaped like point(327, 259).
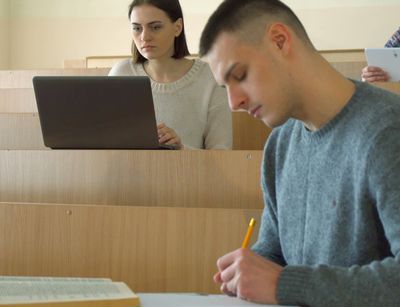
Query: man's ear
point(280, 36)
point(178, 27)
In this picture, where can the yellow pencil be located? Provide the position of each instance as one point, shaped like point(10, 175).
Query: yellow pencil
point(246, 240)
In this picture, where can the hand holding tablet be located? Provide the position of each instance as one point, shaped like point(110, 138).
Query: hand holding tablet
point(386, 59)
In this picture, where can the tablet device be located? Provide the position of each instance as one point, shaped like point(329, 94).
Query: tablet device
point(386, 58)
point(96, 112)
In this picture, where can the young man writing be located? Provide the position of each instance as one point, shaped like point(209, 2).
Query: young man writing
point(330, 230)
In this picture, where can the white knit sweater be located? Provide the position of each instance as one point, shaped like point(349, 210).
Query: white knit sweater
point(194, 106)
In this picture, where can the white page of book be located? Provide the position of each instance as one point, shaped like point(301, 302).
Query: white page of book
point(52, 279)
point(55, 291)
point(192, 300)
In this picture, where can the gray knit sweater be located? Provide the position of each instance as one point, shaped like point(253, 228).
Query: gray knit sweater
point(194, 106)
point(332, 205)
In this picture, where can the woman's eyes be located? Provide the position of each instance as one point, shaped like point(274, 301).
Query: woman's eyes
point(156, 27)
point(152, 28)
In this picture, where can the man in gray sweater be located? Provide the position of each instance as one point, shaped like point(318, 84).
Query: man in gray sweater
point(330, 230)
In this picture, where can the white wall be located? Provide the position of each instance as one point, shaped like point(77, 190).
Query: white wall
point(46, 32)
point(74, 29)
point(350, 27)
point(4, 33)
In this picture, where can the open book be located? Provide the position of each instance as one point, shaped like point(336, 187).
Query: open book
point(65, 292)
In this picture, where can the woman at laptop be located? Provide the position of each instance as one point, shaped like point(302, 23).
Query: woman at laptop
point(191, 109)
point(375, 74)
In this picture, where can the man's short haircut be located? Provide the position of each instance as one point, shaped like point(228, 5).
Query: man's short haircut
point(234, 15)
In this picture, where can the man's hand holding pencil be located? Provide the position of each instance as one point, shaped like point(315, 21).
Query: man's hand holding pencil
point(244, 274)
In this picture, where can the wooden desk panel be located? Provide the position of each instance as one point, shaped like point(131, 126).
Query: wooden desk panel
point(20, 131)
point(343, 55)
point(249, 133)
point(389, 86)
point(349, 69)
point(216, 179)
point(334, 55)
point(151, 249)
point(23, 78)
point(104, 61)
point(74, 64)
point(21, 100)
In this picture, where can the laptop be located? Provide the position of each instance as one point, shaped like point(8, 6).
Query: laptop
point(96, 112)
point(386, 58)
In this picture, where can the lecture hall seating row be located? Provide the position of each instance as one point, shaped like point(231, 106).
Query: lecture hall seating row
point(18, 109)
point(157, 220)
point(16, 93)
point(22, 131)
point(344, 55)
point(348, 62)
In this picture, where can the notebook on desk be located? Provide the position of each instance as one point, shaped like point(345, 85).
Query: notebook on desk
point(386, 58)
point(87, 112)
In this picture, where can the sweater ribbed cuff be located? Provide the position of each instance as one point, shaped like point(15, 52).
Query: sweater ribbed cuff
point(294, 285)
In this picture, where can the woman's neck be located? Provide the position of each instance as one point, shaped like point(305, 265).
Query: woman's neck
point(167, 70)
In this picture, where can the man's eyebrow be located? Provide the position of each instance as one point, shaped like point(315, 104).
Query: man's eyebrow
point(229, 72)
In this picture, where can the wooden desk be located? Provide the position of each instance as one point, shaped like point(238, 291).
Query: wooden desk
point(20, 131)
point(17, 100)
point(198, 179)
point(389, 86)
point(343, 55)
point(104, 61)
point(334, 55)
point(249, 133)
point(151, 249)
point(23, 78)
point(350, 69)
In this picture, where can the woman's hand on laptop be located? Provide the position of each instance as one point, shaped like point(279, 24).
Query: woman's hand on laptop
point(374, 74)
point(168, 136)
